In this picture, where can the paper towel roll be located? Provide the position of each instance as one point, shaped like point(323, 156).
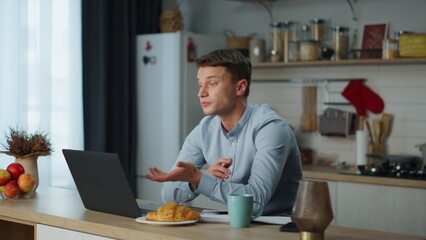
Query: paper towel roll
point(361, 147)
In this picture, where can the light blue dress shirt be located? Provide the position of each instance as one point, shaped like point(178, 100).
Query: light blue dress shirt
point(266, 160)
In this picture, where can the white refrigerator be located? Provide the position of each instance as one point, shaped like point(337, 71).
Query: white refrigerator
point(167, 102)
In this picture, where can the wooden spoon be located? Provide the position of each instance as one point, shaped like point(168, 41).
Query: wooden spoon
point(313, 111)
point(386, 126)
point(377, 128)
point(305, 119)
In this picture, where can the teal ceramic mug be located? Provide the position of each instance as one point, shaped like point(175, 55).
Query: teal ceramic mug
point(240, 209)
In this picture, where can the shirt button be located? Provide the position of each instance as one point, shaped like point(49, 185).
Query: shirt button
point(189, 195)
point(233, 143)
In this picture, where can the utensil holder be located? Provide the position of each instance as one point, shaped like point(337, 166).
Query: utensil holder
point(374, 148)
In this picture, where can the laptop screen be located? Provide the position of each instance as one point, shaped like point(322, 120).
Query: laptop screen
point(101, 182)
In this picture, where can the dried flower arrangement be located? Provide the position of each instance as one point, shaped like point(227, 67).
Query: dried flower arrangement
point(22, 144)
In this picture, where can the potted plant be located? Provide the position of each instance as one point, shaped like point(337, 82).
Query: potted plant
point(26, 148)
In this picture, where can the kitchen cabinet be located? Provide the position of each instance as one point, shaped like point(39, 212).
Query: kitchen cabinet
point(378, 207)
point(45, 232)
point(384, 208)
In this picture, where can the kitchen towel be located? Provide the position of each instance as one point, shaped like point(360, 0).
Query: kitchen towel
point(362, 97)
point(361, 147)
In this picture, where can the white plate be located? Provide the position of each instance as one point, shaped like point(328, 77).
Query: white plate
point(143, 220)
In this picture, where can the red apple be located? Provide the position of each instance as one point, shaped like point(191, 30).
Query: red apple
point(11, 189)
point(26, 182)
point(15, 170)
point(4, 177)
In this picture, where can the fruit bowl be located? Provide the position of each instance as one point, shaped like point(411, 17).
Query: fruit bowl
point(21, 195)
point(15, 183)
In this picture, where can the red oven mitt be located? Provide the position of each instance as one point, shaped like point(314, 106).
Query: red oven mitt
point(362, 97)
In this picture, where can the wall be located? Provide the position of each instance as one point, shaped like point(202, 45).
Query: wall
point(402, 87)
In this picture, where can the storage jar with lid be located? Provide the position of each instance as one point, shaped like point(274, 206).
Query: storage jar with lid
point(340, 42)
point(389, 48)
point(293, 51)
point(309, 50)
point(317, 29)
point(305, 33)
point(289, 34)
point(276, 41)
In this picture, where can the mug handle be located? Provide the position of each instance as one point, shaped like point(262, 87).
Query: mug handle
point(260, 211)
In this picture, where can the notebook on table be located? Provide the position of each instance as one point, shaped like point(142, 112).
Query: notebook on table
point(102, 184)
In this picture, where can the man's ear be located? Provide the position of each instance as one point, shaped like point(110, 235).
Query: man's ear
point(241, 87)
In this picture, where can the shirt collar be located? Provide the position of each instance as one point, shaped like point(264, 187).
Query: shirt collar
point(244, 119)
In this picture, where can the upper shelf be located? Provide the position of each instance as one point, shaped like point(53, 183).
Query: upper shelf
point(341, 62)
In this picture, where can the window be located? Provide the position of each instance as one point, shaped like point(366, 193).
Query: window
point(41, 79)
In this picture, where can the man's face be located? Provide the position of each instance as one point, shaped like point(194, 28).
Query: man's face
point(217, 92)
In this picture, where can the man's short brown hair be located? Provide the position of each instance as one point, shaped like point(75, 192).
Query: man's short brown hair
point(235, 62)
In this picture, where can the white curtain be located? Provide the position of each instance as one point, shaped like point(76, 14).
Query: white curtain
point(41, 78)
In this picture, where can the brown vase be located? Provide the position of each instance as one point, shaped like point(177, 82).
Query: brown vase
point(30, 165)
point(312, 210)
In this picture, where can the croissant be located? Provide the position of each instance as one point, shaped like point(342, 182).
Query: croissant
point(172, 212)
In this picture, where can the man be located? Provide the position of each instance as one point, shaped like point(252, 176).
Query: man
point(249, 148)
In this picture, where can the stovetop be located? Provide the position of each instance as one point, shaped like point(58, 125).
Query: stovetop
point(392, 172)
point(394, 166)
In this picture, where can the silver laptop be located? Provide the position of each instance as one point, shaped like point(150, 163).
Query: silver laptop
point(102, 184)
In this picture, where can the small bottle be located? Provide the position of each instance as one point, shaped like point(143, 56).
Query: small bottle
point(276, 42)
point(389, 48)
point(340, 42)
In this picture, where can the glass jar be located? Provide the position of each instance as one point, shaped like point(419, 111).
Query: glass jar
point(276, 42)
point(305, 33)
point(289, 34)
point(293, 51)
point(317, 29)
point(389, 48)
point(340, 42)
point(309, 50)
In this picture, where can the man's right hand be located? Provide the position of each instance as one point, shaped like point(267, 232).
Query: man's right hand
point(220, 168)
point(185, 172)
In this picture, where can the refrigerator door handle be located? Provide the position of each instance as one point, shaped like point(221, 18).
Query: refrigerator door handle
point(147, 59)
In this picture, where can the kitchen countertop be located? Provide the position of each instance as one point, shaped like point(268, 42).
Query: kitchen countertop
point(349, 175)
point(63, 208)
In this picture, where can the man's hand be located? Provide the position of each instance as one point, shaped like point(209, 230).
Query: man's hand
point(186, 172)
point(220, 168)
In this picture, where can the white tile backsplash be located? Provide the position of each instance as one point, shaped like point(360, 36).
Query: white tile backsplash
point(403, 95)
point(402, 87)
point(416, 78)
point(415, 112)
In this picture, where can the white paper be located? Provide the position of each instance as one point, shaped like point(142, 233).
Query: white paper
point(214, 217)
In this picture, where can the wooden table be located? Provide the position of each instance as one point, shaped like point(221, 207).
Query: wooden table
point(62, 209)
